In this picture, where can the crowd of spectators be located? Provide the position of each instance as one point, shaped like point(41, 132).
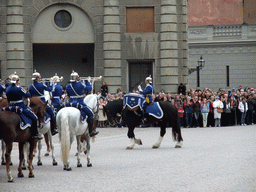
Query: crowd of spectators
point(199, 108)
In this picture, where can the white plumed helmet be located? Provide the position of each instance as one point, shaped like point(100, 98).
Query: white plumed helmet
point(56, 78)
point(149, 78)
point(14, 77)
point(73, 76)
point(35, 75)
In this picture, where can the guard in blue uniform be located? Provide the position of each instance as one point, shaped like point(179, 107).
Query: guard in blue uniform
point(75, 92)
point(14, 95)
point(56, 93)
point(37, 90)
point(147, 93)
point(2, 90)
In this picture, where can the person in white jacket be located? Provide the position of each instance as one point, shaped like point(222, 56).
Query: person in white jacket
point(217, 116)
point(243, 107)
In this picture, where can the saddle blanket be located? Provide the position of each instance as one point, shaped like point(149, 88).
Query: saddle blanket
point(134, 99)
point(155, 110)
point(24, 120)
point(78, 106)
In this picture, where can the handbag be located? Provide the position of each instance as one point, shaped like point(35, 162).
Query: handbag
point(219, 110)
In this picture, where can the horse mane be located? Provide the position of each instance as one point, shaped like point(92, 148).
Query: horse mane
point(34, 101)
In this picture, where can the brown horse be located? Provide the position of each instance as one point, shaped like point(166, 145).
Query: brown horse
point(10, 132)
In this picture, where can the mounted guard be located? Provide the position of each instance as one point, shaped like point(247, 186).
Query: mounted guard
point(75, 92)
point(14, 94)
point(147, 93)
point(56, 92)
point(37, 90)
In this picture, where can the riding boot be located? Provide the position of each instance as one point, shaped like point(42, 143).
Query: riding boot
point(90, 125)
point(34, 132)
point(54, 130)
point(144, 119)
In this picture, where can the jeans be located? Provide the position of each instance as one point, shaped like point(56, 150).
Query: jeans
point(205, 117)
point(189, 117)
point(243, 115)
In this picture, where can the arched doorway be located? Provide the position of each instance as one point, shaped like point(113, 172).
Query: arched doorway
point(63, 40)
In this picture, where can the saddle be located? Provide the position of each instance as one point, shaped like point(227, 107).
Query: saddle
point(134, 100)
point(25, 122)
point(78, 106)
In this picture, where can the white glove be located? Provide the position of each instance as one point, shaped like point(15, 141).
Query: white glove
point(139, 87)
point(89, 79)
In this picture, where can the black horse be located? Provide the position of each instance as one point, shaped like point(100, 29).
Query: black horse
point(133, 118)
point(113, 110)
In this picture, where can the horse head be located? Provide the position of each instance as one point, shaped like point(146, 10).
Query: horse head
point(39, 108)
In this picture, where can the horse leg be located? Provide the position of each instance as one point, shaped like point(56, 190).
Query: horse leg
point(177, 133)
point(31, 150)
point(21, 154)
point(131, 136)
point(162, 133)
point(39, 162)
point(54, 162)
point(46, 139)
point(3, 156)
point(89, 164)
point(3, 152)
point(8, 159)
point(79, 164)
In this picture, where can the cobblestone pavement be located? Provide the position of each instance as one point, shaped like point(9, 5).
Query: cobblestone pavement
point(211, 159)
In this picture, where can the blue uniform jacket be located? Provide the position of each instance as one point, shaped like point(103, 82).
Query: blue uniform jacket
point(39, 91)
point(148, 92)
point(2, 90)
point(75, 90)
point(56, 95)
point(14, 96)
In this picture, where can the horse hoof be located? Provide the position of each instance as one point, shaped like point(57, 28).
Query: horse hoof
point(89, 165)
point(67, 169)
point(79, 165)
point(46, 154)
point(31, 175)
point(54, 163)
point(129, 148)
point(76, 154)
point(11, 181)
point(155, 147)
point(20, 175)
point(177, 146)
point(24, 168)
point(39, 163)
point(85, 152)
point(11, 164)
point(3, 163)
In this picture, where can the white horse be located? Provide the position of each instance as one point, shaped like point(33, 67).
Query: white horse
point(69, 125)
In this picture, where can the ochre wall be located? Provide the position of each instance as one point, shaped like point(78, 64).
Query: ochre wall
point(215, 12)
point(250, 11)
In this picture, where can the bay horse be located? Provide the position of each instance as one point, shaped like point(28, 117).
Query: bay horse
point(69, 125)
point(3, 103)
point(10, 132)
point(132, 118)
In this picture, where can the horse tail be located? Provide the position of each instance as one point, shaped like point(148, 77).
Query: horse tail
point(176, 126)
point(65, 138)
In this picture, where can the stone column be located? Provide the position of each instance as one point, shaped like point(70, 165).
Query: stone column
point(15, 40)
point(112, 45)
point(172, 45)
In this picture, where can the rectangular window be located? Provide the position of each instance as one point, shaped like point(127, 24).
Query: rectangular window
point(227, 71)
point(140, 19)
